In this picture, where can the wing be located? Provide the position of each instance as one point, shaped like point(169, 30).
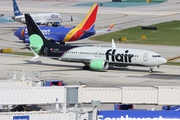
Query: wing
point(55, 38)
point(75, 60)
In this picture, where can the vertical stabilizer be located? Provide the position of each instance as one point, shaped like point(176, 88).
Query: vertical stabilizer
point(90, 18)
point(33, 29)
point(37, 39)
point(85, 25)
point(16, 9)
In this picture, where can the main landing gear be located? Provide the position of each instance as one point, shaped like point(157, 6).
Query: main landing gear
point(151, 70)
point(86, 66)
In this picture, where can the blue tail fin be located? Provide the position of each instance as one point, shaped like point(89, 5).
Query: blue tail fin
point(92, 27)
point(16, 9)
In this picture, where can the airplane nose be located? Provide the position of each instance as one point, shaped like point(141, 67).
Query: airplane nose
point(163, 61)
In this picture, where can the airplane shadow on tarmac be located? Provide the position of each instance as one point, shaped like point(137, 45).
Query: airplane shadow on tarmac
point(160, 76)
point(80, 66)
point(20, 41)
point(127, 69)
point(54, 65)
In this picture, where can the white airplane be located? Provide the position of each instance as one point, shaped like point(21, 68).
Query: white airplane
point(95, 58)
point(39, 18)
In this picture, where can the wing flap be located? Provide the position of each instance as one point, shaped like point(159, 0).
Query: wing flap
point(75, 60)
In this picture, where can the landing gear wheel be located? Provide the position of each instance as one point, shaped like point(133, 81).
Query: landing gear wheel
point(49, 24)
point(151, 70)
point(63, 43)
point(85, 67)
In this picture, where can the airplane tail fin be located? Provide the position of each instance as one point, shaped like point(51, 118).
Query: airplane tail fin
point(86, 25)
point(16, 9)
point(89, 20)
point(37, 39)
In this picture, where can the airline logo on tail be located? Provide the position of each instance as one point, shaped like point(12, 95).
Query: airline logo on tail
point(16, 9)
point(85, 25)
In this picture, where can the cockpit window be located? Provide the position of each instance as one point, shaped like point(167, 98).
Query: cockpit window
point(155, 56)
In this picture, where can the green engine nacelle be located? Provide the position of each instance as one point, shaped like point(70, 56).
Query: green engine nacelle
point(99, 65)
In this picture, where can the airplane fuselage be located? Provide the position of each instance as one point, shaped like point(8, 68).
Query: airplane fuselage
point(64, 34)
point(41, 18)
point(58, 34)
point(87, 54)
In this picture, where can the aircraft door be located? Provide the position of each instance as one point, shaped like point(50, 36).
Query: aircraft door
point(145, 56)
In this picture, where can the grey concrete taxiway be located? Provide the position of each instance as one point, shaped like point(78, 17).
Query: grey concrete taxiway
point(72, 73)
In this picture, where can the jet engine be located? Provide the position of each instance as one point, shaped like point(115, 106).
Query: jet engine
point(99, 65)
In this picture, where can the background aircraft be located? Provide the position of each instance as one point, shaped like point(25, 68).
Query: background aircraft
point(95, 58)
point(39, 18)
point(64, 34)
point(5, 18)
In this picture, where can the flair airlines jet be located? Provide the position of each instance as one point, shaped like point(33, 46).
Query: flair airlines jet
point(39, 18)
point(95, 58)
point(64, 34)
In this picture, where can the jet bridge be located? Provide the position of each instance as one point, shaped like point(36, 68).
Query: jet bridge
point(158, 95)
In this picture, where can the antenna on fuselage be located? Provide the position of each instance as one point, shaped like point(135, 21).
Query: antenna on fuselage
point(113, 44)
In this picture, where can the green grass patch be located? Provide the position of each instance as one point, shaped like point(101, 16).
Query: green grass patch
point(166, 34)
point(173, 63)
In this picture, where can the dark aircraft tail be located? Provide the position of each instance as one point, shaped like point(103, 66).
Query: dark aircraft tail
point(33, 29)
point(37, 39)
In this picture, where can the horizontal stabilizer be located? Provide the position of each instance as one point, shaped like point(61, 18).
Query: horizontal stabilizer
point(35, 54)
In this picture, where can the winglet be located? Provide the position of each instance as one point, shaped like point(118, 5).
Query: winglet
point(110, 27)
point(35, 55)
point(113, 44)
